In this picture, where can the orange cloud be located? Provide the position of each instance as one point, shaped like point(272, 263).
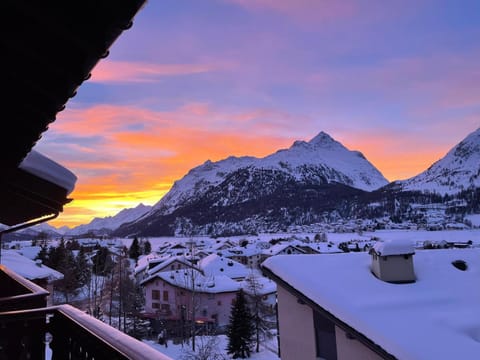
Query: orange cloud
point(125, 167)
point(122, 71)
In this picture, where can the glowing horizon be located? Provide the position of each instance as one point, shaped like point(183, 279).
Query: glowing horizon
point(194, 81)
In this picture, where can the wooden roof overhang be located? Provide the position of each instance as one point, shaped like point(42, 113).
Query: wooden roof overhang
point(48, 50)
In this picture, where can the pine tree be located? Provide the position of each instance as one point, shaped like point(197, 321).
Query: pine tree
point(240, 329)
point(42, 254)
point(134, 250)
point(82, 268)
point(66, 266)
point(102, 262)
point(147, 247)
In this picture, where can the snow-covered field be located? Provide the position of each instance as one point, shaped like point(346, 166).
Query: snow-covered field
point(179, 351)
point(414, 235)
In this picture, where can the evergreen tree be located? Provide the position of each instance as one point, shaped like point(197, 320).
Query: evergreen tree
point(66, 265)
point(240, 329)
point(82, 268)
point(42, 254)
point(102, 262)
point(134, 250)
point(147, 247)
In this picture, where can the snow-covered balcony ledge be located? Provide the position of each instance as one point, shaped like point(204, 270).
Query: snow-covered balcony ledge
point(26, 324)
point(18, 293)
point(67, 333)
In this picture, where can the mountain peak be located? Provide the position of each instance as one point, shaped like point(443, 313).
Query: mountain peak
point(325, 141)
point(322, 138)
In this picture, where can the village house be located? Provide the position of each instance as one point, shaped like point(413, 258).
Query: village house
point(249, 256)
point(334, 307)
point(179, 295)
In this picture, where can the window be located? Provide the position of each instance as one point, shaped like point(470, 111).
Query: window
point(219, 303)
point(165, 307)
point(155, 294)
point(155, 305)
point(325, 341)
point(165, 295)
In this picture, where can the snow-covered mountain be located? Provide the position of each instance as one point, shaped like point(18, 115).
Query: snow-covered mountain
point(111, 222)
point(458, 170)
point(302, 181)
point(321, 160)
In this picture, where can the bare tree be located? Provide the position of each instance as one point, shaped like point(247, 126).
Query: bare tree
point(208, 349)
point(259, 310)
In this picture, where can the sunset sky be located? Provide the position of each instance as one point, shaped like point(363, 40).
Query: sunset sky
point(204, 79)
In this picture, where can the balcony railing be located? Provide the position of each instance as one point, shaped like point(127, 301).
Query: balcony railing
point(63, 332)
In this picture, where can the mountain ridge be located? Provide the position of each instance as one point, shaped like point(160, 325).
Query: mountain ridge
point(300, 184)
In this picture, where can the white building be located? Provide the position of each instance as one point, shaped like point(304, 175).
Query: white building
point(333, 307)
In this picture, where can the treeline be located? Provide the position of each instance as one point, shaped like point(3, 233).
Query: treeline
point(99, 280)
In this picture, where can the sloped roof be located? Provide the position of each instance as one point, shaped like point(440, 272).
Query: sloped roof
point(434, 318)
point(48, 50)
point(28, 268)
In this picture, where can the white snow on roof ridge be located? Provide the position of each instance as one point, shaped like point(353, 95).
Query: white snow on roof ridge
point(28, 268)
point(394, 247)
point(47, 169)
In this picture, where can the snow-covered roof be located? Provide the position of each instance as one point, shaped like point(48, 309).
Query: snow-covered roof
point(28, 268)
point(260, 284)
point(205, 284)
point(277, 248)
point(144, 261)
point(41, 166)
point(219, 265)
point(437, 317)
point(168, 262)
point(243, 251)
point(394, 247)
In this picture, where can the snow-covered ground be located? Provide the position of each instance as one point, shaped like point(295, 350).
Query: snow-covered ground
point(414, 235)
point(179, 351)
